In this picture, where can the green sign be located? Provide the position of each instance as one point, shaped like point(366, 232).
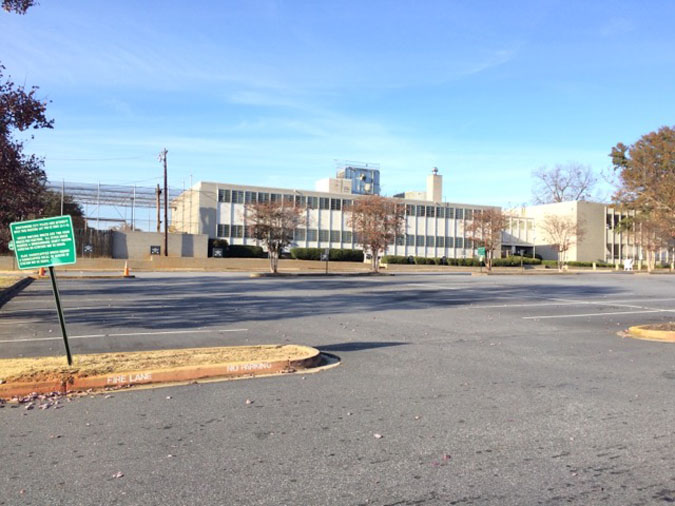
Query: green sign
point(481, 252)
point(44, 243)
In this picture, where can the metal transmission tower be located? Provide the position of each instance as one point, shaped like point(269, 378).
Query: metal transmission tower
point(102, 202)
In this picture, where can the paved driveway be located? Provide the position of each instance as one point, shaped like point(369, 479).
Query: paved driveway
point(488, 390)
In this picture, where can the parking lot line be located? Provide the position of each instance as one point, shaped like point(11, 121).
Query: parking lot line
point(596, 314)
point(123, 334)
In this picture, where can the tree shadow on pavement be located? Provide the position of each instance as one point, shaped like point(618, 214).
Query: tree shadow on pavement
point(212, 302)
point(359, 345)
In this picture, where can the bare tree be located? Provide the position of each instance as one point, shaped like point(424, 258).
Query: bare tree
point(376, 222)
point(486, 230)
point(562, 183)
point(563, 233)
point(273, 224)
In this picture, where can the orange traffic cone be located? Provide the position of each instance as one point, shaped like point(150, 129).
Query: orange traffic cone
point(126, 270)
point(41, 272)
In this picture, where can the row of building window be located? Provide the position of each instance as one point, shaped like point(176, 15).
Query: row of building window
point(248, 197)
point(345, 236)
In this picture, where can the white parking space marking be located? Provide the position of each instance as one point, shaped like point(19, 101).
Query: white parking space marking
point(571, 302)
point(124, 334)
point(597, 314)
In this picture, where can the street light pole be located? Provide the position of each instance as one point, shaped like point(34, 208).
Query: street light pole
point(162, 158)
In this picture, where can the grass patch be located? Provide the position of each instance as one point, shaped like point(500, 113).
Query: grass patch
point(7, 281)
point(23, 370)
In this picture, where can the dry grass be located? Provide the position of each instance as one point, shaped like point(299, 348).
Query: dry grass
point(665, 327)
point(7, 281)
point(21, 370)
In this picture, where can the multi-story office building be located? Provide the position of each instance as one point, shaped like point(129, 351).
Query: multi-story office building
point(432, 228)
point(602, 238)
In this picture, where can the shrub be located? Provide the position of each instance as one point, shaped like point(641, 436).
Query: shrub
point(394, 259)
point(514, 261)
point(241, 251)
point(346, 255)
point(334, 255)
point(306, 253)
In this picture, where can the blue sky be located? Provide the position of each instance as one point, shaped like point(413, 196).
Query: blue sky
point(273, 92)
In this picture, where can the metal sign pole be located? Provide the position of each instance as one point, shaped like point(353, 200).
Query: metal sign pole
point(45, 243)
point(59, 309)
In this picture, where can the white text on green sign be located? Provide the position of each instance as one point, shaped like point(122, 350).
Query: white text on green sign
point(43, 243)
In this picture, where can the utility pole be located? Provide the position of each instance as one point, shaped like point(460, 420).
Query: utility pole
point(158, 192)
point(162, 158)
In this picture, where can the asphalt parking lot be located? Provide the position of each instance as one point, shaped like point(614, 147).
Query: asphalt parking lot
point(486, 390)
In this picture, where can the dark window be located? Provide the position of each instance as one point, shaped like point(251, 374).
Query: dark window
point(346, 204)
point(237, 230)
point(440, 241)
point(335, 204)
point(334, 236)
point(440, 212)
point(223, 231)
point(224, 196)
point(430, 211)
point(409, 240)
point(420, 210)
point(460, 214)
point(430, 241)
point(311, 234)
point(299, 234)
point(409, 210)
point(250, 197)
point(237, 196)
point(312, 202)
point(300, 201)
point(419, 241)
point(323, 235)
point(324, 203)
point(450, 213)
point(346, 236)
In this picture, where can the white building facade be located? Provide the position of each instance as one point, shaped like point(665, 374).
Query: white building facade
point(432, 229)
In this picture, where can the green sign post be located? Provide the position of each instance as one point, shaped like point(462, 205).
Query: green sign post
point(46, 243)
point(481, 252)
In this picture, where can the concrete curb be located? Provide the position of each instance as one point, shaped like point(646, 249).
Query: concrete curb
point(642, 332)
point(60, 277)
point(310, 359)
point(11, 291)
point(318, 274)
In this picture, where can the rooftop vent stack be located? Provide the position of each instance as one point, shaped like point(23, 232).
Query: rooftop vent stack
point(435, 186)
